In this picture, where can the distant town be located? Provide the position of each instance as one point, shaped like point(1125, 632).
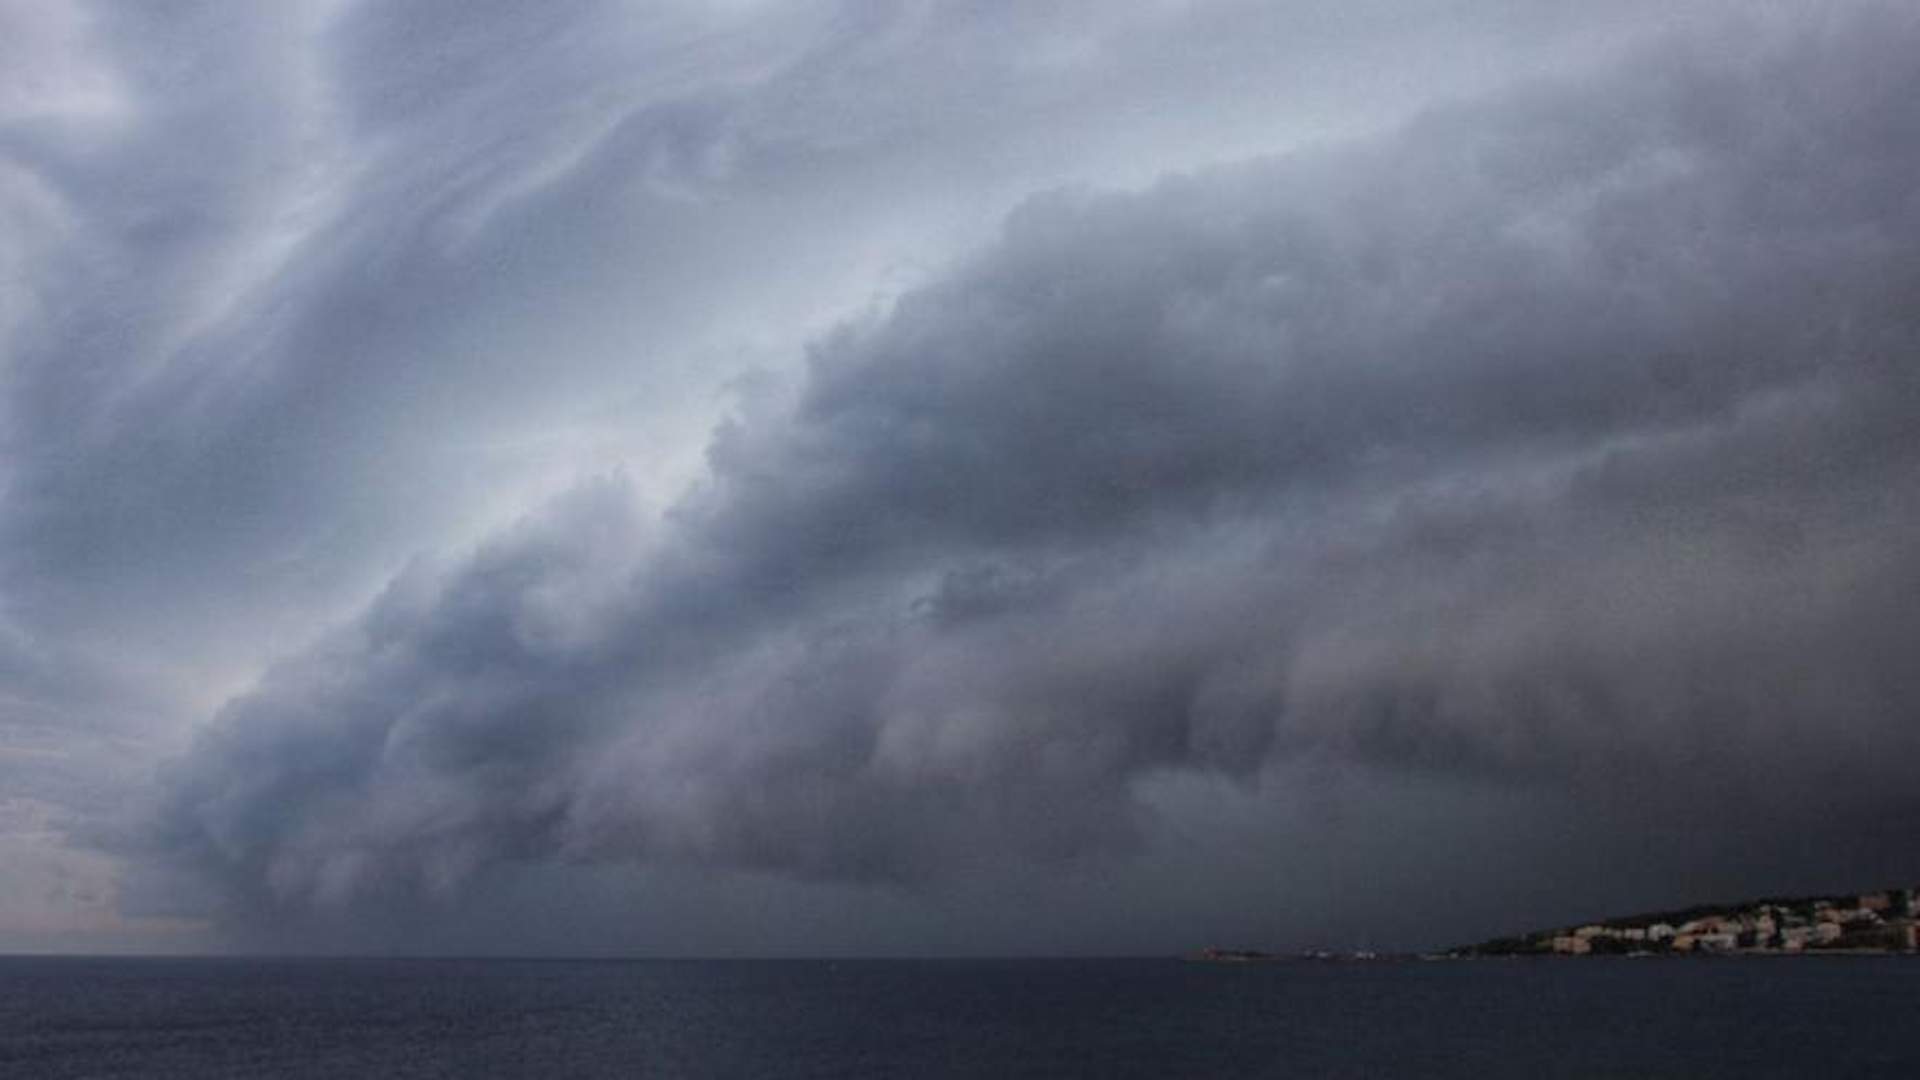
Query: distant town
point(1875, 922)
point(1887, 921)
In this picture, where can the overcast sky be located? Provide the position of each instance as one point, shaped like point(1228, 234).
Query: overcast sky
point(789, 478)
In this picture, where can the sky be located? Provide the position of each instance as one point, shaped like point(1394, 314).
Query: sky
point(823, 478)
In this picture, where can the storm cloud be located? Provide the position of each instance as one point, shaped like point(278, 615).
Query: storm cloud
point(1563, 441)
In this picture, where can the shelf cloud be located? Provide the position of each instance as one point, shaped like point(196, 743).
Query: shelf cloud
point(1559, 440)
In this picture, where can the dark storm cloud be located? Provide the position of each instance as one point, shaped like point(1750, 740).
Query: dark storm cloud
point(1564, 442)
point(294, 292)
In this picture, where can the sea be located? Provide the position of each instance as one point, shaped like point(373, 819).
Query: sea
point(284, 1019)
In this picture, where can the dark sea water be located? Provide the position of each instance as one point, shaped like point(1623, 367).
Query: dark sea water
point(1822, 1017)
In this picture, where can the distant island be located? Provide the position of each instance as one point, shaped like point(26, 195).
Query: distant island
point(1886, 921)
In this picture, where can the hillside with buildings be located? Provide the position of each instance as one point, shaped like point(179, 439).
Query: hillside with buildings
point(1874, 922)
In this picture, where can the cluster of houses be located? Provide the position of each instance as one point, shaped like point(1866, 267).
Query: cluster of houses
point(1887, 921)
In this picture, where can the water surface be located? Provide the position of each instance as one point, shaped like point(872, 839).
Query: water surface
point(291, 1019)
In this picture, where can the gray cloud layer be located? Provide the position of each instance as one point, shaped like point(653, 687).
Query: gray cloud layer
point(289, 294)
point(1564, 442)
